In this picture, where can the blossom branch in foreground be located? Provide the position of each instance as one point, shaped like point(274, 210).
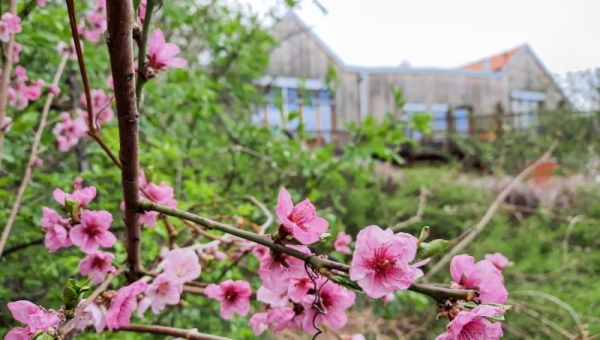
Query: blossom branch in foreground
point(120, 49)
point(32, 155)
point(191, 334)
point(93, 131)
point(435, 292)
point(6, 72)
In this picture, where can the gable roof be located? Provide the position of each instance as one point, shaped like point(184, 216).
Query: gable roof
point(490, 67)
point(495, 62)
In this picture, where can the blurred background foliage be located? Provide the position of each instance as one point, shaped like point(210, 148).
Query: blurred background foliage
point(197, 136)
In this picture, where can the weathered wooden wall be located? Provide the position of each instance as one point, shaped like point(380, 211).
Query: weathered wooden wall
point(298, 55)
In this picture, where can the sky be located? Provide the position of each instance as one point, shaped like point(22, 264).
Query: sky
point(565, 34)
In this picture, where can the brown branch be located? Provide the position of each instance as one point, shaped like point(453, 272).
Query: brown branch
point(490, 212)
point(92, 129)
point(418, 216)
point(190, 334)
point(6, 72)
point(32, 156)
point(317, 262)
point(120, 48)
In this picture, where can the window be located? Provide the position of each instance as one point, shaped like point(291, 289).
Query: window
point(461, 120)
point(409, 110)
point(312, 103)
point(439, 119)
point(524, 108)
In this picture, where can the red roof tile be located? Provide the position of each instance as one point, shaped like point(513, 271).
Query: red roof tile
point(496, 62)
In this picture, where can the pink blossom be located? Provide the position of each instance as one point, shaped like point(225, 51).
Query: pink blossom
point(483, 276)
point(93, 232)
point(163, 291)
point(143, 306)
point(335, 299)
point(13, 22)
point(388, 298)
point(498, 260)
point(69, 131)
point(18, 99)
point(34, 317)
point(234, 297)
point(83, 317)
point(95, 25)
point(80, 196)
point(266, 296)
point(142, 10)
point(21, 74)
point(6, 124)
point(300, 220)
point(100, 102)
point(298, 288)
point(182, 265)
point(380, 263)
point(4, 32)
point(260, 251)
point(98, 316)
point(19, 333)
point(277, 270)
point(123, 304)
point(33, 91)
point(22, 309)
point(17, 48)
point(474, 325)
point(277, 318)
point(97, 265)
point(41, 3)
point(55, 229)
point(110, 82)
point(42, 321)
point(62, 48)
point(341, 243)
point(161, 54)
point(54, 89)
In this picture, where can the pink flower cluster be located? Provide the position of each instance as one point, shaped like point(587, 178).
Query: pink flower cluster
point(289, 293)
point(87, 229)
point(69, 130)
point(233, 295)
point(9, 24)
point(23, 89)
point(34, 317)
point(6, 123)
point(162, 194)
point(95, 22)
point(100, 106)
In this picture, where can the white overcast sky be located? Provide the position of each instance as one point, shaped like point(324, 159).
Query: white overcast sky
point(446, 33)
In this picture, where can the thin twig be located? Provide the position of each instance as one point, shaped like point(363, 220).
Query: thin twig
point(191, 334)
point(490, 212)
point(574, 221)
point(33, 155)
point(539, 317)
point(92, 129)
point(5, 82)
point(120, 48)
point(558, 302)
point(418, 216)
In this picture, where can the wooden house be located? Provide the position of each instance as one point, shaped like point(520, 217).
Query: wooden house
point(514, 83)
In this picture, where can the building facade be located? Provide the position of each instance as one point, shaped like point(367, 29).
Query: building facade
point(514, 82)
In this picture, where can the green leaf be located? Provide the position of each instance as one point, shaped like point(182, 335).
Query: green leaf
point(344, 280)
